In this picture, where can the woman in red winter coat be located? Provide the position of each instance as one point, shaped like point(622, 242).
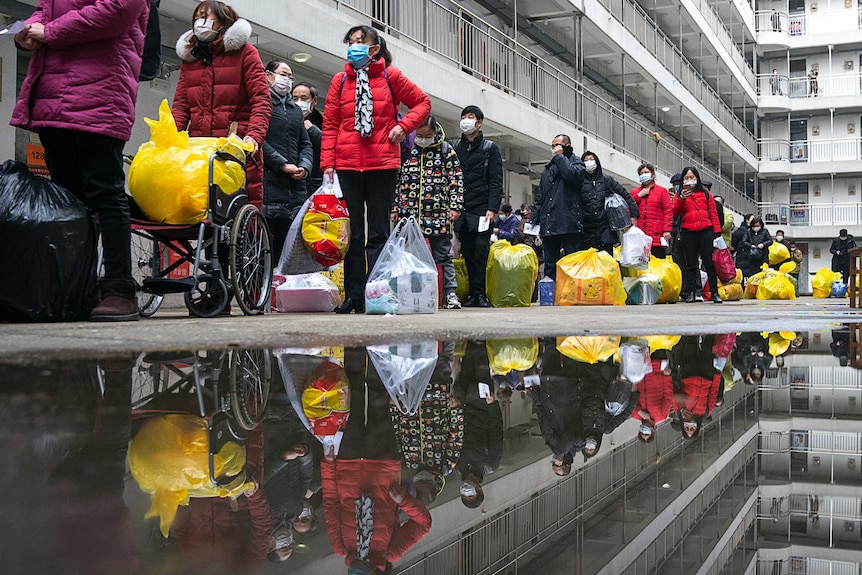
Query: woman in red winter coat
point(656, 209)
point(361, 137)
point(700, 226)
point(222, 81)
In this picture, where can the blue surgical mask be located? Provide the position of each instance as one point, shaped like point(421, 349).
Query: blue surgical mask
point(644, 178)
point(357, 54)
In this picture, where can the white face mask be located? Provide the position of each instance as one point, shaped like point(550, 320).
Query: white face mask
point(467, 125)
point(646, 430)
point(203, 29)
point(468, 490)
point(755, 229)
point(779, 238)
point(590, 165)
point(423, 142)
point(304, 106)
point(690, 183)
point(282, 84)
point(591, 444)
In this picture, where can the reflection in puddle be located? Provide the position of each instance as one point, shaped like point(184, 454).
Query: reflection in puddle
point(582, 454)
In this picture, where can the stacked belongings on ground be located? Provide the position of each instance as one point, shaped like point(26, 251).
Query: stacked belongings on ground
point(305, 293)
point(169, 176)
point(642, 287)
point(589, 277)
point(823, 281)
point(731, 290)
point(404, 279)
point(511, 273)
point(514, 354)
point(769, 284)
point(661, 275)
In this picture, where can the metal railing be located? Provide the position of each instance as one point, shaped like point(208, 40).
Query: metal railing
point(514, 533)
point(771, 21)
point(772, 85)
point(798, 87)
point(841, 214)
point(647, 32)
point(824, 442)
point(707, 10)
point(811, 23)
point(490, 55)
point(820, 150)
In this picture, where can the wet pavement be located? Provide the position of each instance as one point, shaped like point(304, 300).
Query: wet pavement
point(537, 440)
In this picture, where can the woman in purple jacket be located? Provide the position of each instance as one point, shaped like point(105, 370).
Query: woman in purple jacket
point(79, 95)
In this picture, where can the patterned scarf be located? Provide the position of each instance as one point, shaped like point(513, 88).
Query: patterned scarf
point(364, 525)
point(364, 120)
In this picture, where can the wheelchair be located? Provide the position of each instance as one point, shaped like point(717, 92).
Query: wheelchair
point(228, 255)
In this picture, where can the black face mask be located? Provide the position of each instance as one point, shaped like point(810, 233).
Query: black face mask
point(568, 151)
point(201, 52)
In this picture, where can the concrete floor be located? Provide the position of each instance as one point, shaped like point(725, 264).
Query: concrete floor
point(172, 329)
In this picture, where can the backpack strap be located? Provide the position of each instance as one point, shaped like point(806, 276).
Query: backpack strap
point(486, 150)
point(388, 83)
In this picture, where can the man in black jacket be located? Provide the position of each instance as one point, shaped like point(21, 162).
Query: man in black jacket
point(840, 250)
point(482, 166)
point(287, 157)
point(557, 208)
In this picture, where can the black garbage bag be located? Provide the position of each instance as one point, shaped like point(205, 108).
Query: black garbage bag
point(47, 249)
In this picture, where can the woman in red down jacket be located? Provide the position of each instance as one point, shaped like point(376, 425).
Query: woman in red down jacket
point(699, 385)
point(656, 209)
point(656, 399)
point(700, 226)
point(361, 137)
point(222, 80)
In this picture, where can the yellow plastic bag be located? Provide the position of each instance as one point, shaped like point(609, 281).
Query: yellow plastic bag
point(662, 342)
point(754, 281)
point(787, 267)
point(169, 459)
point(511, 274)
point(821, 283)
point(735, 281)
point(588, 348)
point(732, 292)
point(168, 178)
point(780, 342)
point(462, 279)
point(671, 278)
point(589, 278)
point(519, 354)
point(776, 286)
point(778, 253)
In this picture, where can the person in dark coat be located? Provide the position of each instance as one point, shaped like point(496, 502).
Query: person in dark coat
point(482, 167)
point(305, 96)
point(595, 380)
point(751, 357)
point(840, 250)
point(755, 242)
point(597, 186)
point(739, 255)
point(557, 207)
point(287, 156)
point(483, 425)
point(507, 226)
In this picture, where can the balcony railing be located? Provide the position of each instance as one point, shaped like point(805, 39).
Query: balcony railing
point(707, 10)
point(809, 24)
point(814, 151)
point(822, 442)
point(805, 87)
point(490, 55)
point(772, 85)
point(648, 33)
point(843, 214)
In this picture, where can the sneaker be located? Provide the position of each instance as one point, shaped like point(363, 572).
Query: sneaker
point(452, 301)
point(698, 297)
point(482, 301)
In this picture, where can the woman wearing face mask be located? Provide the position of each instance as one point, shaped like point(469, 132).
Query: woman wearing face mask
point(222, 80)
point(361, 137)
point(699, 227)
point(305, 96)
point(755, 243)
point(656, 210)
point(598, 186)
point(287, 156)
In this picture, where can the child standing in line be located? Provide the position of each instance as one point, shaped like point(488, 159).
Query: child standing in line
point(431, 189)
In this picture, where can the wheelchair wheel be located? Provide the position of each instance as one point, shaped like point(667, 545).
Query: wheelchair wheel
point(146, 257)
point(209, 299)
point(250, 260)
point(250, 378)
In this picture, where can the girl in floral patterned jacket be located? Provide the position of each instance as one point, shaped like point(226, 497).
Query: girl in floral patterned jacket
point(431, 189)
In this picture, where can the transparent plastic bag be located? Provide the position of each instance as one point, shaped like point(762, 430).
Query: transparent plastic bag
point(643, 290)
point(307, 293)
point(839, 289)
point(405, 371)
point(617, 212)
point(635, 249)
point(404, 279)
point(169, 177)
point(635, 361)
point(511, 273)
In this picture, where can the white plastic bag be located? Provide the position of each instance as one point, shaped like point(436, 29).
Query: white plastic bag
point(405, 371)
point(307, 292)
point(635, 249)
point(635, 361)
point(295, 256)
point(719, 244)
point(404, 279)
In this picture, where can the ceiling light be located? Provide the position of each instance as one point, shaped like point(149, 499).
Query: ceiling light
point(665, 108)
point(666, 486)
point(300, 57)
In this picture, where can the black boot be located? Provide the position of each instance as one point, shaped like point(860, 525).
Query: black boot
point(118, 302)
